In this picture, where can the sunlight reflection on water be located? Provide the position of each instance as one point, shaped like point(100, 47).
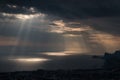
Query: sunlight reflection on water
point(29, 60)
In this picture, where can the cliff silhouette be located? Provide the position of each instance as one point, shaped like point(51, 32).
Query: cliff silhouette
point(111, 60)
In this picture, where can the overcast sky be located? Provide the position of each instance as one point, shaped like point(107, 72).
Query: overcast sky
point(54, 34)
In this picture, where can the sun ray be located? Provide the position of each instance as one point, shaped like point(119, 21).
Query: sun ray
point(13, 51)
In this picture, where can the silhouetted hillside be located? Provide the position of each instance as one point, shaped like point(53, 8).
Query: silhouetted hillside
point(111, 60)
point(96, 74)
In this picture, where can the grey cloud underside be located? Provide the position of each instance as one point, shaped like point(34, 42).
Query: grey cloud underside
point(109, 25)
point(68, 8)
point(72, 9)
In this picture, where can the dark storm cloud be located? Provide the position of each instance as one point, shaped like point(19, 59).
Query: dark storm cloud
point(74, 9)
point(68, 8)
point(109, 25)
point(7, 7)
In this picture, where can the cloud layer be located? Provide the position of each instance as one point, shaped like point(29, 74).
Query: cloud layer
point(64, 8)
